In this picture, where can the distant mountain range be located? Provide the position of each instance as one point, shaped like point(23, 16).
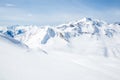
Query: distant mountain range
point(91, 30)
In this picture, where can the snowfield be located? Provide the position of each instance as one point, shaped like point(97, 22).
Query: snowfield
point(82, 50)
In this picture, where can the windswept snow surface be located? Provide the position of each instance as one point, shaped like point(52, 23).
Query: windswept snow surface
point(22, 64)
point(82, 50)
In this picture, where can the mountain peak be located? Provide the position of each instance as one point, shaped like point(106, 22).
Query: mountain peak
point(35, 35)
point(86, 19)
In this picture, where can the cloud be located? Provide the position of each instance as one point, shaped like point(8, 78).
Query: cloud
point(9, 5)
point(10, 14)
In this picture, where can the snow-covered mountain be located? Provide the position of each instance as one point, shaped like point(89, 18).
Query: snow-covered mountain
point(87, 34)
point(87, 49)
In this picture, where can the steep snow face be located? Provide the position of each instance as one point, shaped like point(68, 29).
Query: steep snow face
point(83, 31)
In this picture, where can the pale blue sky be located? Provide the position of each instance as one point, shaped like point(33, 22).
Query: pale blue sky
point(53, 12)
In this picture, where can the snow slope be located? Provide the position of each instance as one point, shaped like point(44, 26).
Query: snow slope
point(22, 64)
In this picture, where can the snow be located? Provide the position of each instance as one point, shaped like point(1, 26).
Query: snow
point(87, 49)
point(19, 64)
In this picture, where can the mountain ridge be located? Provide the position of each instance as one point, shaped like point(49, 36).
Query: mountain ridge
point(62, 35)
